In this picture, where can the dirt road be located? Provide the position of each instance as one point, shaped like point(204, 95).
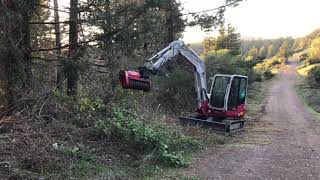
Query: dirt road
point(283, 144)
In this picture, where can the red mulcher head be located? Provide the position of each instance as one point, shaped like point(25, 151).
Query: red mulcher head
point(134, 80)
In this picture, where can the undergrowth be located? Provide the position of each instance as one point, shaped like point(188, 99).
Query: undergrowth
point(160, 144)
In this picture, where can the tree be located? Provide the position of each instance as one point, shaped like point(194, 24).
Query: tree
point(71, 68)
point(58, 44)
point(211, 18)
point(221, 40)
point(232, 40)
point(227, 39)
point(208, 44)
point(15, 49)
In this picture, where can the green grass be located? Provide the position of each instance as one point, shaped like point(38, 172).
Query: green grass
point(310, 96)
point(255, 100)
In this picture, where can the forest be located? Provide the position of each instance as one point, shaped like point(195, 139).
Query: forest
point(64, 115)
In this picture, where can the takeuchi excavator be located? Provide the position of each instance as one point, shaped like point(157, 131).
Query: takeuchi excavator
point(220, 109)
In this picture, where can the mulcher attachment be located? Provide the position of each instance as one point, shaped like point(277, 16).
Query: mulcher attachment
point(134, 80)
point(226, 125)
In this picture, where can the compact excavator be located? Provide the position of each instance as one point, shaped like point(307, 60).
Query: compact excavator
point(222, 108)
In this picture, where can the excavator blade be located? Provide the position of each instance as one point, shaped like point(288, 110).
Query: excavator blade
point(226, 126)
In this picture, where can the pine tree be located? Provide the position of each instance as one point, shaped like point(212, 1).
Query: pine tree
point(71, 69)
point(15, 49)
point(208, 44)
point(233, 42)
point(221, 40)
point(228, 39)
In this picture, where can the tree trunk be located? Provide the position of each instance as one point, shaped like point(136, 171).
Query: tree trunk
point(108, 47)
point(3, 85)
point(72, 71)
point(57, 31)
point(26, 49)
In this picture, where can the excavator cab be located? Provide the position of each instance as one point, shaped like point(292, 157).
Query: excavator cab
point(228, 95)
point(225, 109)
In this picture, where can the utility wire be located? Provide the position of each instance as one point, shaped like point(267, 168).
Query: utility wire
point(214, 9)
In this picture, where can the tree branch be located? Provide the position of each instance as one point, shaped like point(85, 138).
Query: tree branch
point(61, 22)
point(217, 8)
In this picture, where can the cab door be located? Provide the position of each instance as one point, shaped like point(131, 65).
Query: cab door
point(237, 94)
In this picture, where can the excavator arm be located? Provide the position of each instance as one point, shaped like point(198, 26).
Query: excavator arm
point(155, 64)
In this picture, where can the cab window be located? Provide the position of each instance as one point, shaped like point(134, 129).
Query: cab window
point(218, 91)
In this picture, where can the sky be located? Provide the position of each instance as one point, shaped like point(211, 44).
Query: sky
point(262, 18)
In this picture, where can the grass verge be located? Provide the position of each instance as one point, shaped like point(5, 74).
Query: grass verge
point(310, 96)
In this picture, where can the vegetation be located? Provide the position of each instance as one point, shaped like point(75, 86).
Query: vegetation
point(62, 112)
point(228, 39)
point(309, 87)
point(161, 144)
point(314, 52)
point(260, 49)
point(303, 43)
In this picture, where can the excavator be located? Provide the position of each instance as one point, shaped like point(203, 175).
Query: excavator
point(220, 109)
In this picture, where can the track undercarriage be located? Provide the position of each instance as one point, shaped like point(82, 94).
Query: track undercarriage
point(212, 123)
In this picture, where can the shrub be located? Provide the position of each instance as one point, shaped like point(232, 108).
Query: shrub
point(165, 145)
point(177, 88)
point(249, 58)
point(268, 64)
point(282, 60)
point(314, 49)
point(268, 75)
point(314, 76)
point(311, 61)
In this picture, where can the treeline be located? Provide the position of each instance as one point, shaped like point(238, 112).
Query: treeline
point(256, 58)
point(260, 49)
point(310, 55)
point(223, 55)
point(303, 43)
point(310, 47)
